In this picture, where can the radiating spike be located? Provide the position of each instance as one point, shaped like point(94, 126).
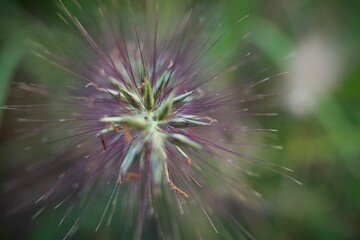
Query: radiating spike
point(181, 98)
point(184, 123)
point(181, 140)
point(165, 109)
point(148, 95)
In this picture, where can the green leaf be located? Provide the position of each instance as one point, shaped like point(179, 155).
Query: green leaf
point(276, 44)
point(10, 56)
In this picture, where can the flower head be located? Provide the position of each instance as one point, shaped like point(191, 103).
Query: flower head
point(139, 112)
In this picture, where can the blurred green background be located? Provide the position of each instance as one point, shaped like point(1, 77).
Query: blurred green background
point(318, 43)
